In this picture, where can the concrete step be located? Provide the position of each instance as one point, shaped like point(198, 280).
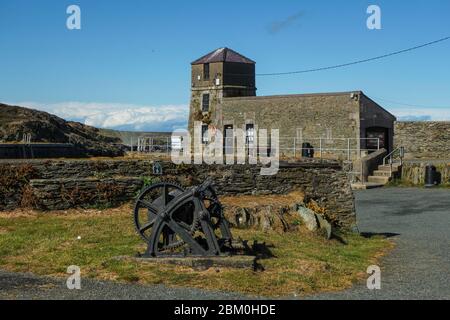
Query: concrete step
point(379, 179)
point(395, 167)
point(382, 173)
point(366, 185)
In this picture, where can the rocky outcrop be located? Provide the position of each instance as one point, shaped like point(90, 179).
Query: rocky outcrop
point(15, 122)
point(269, 212)
point(280, 213)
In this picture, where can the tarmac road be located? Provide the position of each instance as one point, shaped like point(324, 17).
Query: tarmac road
point(418, 221)
point(28, 286)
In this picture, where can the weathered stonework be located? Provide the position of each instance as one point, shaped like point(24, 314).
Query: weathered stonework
point(414, 172)
point(334, 121)
point(333, 117)
point(63, 184)
point(424, 140)
point(61, 194)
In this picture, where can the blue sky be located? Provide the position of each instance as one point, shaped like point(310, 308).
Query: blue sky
point(129, 65)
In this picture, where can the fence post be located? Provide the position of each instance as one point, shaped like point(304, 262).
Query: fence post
point(167, 144)
point(320, 147)
point(294, 148)
point(348, 149)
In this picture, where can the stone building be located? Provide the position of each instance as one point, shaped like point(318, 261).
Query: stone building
point(344, 123)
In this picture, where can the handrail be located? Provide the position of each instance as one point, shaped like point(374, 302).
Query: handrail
point(401, 151)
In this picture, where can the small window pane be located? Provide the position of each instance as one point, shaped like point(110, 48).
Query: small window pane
point(206, 71)
point(205, 103)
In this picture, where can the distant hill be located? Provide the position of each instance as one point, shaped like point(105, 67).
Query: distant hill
point(47, 128)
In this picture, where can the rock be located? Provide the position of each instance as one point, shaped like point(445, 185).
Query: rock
point(324, 226)
point(48, 128)
point(309, 218)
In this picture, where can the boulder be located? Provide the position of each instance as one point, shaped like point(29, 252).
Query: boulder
point(324, 226)
point(309, 218)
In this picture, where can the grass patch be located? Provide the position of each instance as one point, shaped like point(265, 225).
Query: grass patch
point(47, 243)
point(408, 184)
point(403, 184)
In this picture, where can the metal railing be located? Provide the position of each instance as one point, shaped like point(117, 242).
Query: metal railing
point(341, 148)
point(333, 146)
point(390, 158)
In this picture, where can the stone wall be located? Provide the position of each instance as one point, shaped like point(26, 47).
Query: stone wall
point(414, 172)
point(44, 150)
point(304, 117)
point(331, 117)
point(368, 164)
point(50, 185)
point(423, 140)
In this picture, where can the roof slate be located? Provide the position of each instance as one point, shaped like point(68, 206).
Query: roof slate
point(223, 55)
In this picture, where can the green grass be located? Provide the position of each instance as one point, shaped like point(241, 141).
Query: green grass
point(47, 243)
point(408, 184)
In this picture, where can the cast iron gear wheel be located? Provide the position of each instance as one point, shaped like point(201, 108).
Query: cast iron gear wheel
point(153, 206)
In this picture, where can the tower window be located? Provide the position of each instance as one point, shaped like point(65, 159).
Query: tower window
point(205, 102)
point(206, 71)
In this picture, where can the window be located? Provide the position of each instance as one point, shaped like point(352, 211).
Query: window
point(205, 134)
point(205, 102)
point(249, 133)
point(206, 71)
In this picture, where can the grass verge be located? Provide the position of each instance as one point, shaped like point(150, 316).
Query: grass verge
point(408, 184)
point(47, 243)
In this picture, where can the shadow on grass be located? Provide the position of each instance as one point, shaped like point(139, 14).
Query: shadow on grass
point(369, 235)
point(260, 251)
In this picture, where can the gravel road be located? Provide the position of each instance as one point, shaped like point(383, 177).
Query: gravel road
point(418, 221)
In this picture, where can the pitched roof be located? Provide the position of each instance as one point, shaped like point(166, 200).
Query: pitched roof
point(223, 55)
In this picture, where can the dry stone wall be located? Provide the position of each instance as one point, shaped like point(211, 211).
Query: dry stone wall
point(59, 184)
point(423, 140)
point(414, 172)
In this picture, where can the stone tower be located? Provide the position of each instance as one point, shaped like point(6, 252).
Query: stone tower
point(217, 75)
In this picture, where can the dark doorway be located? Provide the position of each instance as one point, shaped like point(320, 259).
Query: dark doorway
point(375, 134)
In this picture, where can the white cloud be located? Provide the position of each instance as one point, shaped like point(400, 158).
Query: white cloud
point(118, 116)
point(421, 114)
